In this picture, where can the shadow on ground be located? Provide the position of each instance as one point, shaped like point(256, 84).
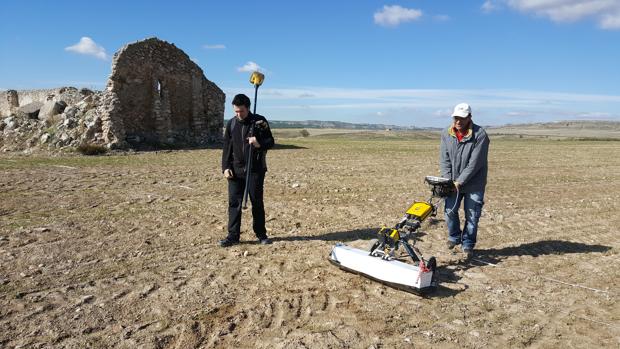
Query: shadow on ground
point(286, 146)
point(138, 148)
point(343, 236)
point(453, 272)
point(538, 248)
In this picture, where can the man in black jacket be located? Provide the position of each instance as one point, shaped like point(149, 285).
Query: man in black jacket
point(243, 131)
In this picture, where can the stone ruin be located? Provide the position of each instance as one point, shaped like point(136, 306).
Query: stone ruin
point(155, 97)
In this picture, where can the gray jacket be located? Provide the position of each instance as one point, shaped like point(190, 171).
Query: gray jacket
point(466, 161)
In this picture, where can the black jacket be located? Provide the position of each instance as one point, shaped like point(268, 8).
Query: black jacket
point(236, 145)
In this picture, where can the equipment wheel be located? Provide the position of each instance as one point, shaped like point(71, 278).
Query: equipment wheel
point(432, 265)
point(372, 245)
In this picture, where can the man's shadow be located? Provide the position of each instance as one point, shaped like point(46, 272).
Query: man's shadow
point(538, 248)
point(286, 146)
point(448, 273)
point(493, 256)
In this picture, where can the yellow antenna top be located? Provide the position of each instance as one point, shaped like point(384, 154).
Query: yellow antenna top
point(257, 78)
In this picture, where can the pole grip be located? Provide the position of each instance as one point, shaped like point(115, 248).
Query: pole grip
point(248, 173)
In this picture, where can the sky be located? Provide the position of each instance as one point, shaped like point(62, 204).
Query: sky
point(398, 62)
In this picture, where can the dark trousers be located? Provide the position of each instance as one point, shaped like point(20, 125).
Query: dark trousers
point(236, 186)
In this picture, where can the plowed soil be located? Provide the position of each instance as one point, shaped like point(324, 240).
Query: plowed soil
point(121, 250)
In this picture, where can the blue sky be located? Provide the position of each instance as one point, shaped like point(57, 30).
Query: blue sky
point(396, 62)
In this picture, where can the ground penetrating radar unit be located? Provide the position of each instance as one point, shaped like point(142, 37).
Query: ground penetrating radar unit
point(380, 262)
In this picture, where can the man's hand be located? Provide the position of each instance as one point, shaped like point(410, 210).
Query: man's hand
point(457, 185)
point(253, 142)
point(228, 174)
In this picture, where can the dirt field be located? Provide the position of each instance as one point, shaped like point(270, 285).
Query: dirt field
point(121, 251)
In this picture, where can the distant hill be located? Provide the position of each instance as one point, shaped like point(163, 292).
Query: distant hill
point(568, 124)
point(573, 128)
point(335, 125)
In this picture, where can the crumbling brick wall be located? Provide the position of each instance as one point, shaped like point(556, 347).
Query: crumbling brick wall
point(156, 96)
point(159, 95)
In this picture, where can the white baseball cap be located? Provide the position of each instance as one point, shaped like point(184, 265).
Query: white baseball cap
point(462, 110)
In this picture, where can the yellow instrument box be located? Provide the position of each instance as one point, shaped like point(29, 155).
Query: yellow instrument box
point(420, 210)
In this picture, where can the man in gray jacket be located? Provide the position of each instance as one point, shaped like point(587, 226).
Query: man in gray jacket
point(463, 159)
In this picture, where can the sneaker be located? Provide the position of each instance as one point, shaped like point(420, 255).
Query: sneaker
point(227, 242)
point(469, 253)
point(265, 241)
point(450, 244)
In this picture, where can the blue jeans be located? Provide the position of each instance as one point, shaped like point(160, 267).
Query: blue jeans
point(473, 208)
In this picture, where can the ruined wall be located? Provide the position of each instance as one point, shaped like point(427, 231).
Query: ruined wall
point(158, 95)
point(11, 100)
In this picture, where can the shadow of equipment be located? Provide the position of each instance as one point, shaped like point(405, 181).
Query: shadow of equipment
point(342, 236)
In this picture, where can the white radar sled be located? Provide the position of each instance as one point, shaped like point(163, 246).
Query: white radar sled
point(380, 262)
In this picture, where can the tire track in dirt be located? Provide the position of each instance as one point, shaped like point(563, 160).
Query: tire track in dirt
point(276, 316)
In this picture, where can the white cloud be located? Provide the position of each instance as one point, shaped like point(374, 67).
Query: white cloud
point(596, 116)
point(251, 67)
point(272, 92)
point(214, 47)
point(442, 113)
point(520, 114)
point(488, 6)
point(605, 12)
point(610, 21)
point(391, 16)
point(88, 47)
